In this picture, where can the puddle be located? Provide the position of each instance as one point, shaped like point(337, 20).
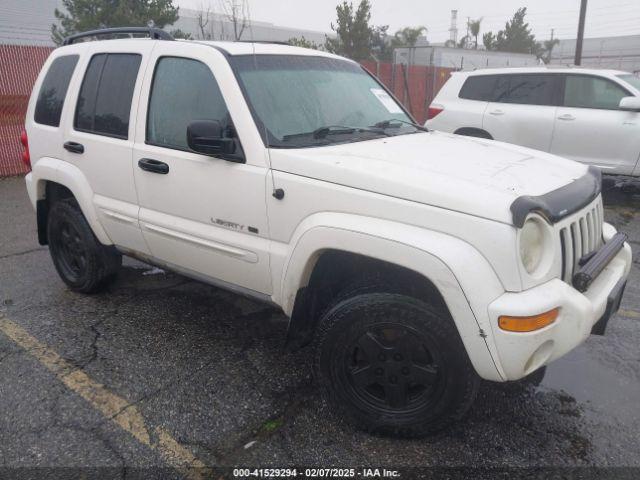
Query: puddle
point(589, 382)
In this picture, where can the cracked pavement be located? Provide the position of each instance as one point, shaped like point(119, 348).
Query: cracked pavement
point(209, 368)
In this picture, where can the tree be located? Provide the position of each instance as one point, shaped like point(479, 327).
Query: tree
point(177, 33)
point(516, 36)
point(82, 15)
point(204, 19)
point(304, 43)
point(474, 30)
point(407, 37)
point(381, 47)
point(236, 12)
point(353, 32)
point(489, 41)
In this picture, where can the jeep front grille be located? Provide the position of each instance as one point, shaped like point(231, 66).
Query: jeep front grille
point(580, 238)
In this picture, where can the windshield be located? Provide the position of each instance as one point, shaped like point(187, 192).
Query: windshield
point(632, 80)
point(302, 101)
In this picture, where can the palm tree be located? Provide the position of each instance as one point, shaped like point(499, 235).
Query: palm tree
point(474, 30)
point(548, 48)
point(408, 36)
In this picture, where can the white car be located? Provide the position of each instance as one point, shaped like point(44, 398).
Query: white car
point(417, 262)
point(591, 116)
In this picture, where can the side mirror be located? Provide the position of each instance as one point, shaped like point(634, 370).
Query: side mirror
point(207, 137)
point(630, 104)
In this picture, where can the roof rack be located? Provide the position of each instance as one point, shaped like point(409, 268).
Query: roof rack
point(276, 42)
point(154, 33)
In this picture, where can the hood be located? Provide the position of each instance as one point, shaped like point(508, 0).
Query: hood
point(468, 175)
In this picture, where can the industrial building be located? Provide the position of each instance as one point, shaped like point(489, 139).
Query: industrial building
point(28, 22)
point(621, 53)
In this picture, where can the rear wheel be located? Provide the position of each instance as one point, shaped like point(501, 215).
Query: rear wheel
point(82, 262)
point(393, 365)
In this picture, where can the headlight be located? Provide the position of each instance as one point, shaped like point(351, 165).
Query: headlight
point(536, 246)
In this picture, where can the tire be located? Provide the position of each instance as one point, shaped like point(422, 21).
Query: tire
point(393, 365)
point(82, 262)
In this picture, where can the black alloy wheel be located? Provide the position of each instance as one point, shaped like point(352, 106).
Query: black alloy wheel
point(393, 365)
point(82, 262)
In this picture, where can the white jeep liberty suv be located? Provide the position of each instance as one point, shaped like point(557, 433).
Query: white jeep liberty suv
point(416, 262)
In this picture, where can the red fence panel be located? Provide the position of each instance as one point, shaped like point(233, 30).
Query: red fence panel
point(19, 68)
point(415, 86)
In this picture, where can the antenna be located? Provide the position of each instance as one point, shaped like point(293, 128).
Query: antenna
point(277, 193)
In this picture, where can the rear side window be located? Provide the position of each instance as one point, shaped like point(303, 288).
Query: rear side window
point(183, 90)
point(531, 89)
point(104, 103)
point(582, 91)
point(54, 90)
point(479, 88)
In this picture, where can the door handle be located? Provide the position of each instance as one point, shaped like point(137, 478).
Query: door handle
point(566, 117)
point(74, 147)
point(496, 112)
point(153, 166)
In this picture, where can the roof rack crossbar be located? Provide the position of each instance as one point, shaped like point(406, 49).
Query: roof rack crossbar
point(154, 33)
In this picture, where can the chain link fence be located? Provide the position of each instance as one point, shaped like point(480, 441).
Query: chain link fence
point(19, 68)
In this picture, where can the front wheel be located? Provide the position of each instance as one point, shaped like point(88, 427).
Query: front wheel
point(393, 365)
point(82, 262)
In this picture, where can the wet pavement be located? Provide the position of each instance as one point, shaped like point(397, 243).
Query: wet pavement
point(202, 374)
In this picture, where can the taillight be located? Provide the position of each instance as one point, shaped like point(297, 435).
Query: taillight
point(26, 157)
point(434, 111)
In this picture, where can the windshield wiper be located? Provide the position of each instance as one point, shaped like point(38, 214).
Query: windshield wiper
point(324, 132)
point(389, 124)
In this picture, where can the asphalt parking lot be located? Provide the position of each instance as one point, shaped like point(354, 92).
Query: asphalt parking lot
point(164, 372)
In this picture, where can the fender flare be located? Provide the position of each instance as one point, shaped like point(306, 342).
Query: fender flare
point(66, 174)
point(462, 275)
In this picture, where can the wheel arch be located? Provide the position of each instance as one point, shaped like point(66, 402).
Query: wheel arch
point(474, 132)
point(427, 258)
point(54, 179)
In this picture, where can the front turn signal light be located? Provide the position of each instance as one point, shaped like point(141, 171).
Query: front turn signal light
point(528, 324)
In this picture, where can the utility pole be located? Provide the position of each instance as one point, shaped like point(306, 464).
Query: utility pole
point(467, 38)
point(579, 40)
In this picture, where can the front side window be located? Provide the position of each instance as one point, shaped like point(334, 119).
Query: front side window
point(302, 101)
point(54, 90)
point(583, 91)
point(104, 103)
point(183, 91)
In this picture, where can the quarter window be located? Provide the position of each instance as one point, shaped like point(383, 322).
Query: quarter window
point(54, 90)
point(104, 104)
point(183, 90)
point(479, 88)
point(582, 91)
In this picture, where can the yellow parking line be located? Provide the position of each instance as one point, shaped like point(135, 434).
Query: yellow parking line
point(115, 408)
point(629, 313)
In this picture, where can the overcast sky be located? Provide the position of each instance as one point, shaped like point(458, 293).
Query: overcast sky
point(604, 17)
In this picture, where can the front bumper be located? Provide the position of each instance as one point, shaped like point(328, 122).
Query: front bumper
point(522, 353)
